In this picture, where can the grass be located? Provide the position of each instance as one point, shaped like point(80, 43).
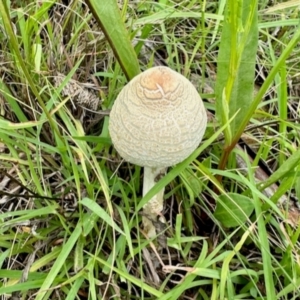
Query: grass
point(70, 206)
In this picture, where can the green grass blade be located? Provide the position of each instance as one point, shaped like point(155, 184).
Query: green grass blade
point(27, 215)
point(22, 287)
point(225, 272)
point(110, 20)
point(284, 170)
point(94, 207)
point(60, 261)
point(220, 13)
point(5, 92)
point(73, 292)
point(263, 240)
point(171, 13)
point(4, 13)
point(131, 278)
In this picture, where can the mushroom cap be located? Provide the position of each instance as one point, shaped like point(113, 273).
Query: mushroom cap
point(158, 119)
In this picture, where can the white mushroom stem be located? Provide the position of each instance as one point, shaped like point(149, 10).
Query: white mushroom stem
point(155, 205)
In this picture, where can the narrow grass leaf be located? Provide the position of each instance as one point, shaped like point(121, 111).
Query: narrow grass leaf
point(225, 272)
point(92, 283)
point(281, 6)
point(283, 171)
point(93, 139)
point(283, 189)
point(171, 13)
point(102, 214)
point(110, 20)
point(23, 287)
point(73, 292)
point(89, 221)
point(263, 240)
point(16, 274)
point(178, 229)
point(27, 214)
point(290, 288)
point(127, 230)
point(217, 24)
point(18, 161)
point(207, 273)
point(173, 242)
point(245, 272)
point(139, 283)
point(45, 259)
point(281, 23)
point(10, 125)
point(60, 261)
point(5, 15)
point(188, 280)
point(78, 253)
point(14, 105)
point(3, 257)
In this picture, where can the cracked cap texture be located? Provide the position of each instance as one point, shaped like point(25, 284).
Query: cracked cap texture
point(158, 119)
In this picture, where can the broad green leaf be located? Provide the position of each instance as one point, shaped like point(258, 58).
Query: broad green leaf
point(233, 209)
point(110, 20)
point(269, 80)
point(236, 63)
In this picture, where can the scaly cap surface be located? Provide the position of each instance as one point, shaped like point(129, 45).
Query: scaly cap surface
point(158, 119)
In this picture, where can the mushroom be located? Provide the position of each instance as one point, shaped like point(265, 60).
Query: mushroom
point(157, 120)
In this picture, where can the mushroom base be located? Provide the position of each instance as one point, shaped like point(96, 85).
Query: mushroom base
point(155, 206)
